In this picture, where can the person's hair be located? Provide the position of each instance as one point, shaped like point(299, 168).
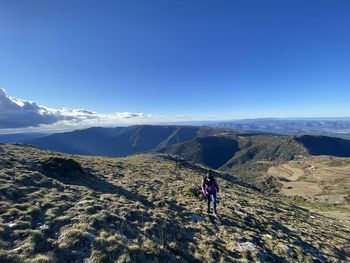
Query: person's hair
point(209, 174)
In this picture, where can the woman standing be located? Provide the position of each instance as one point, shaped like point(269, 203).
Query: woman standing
point(210, 188)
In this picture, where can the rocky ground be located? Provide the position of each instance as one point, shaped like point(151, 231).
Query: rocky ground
point(148, 208)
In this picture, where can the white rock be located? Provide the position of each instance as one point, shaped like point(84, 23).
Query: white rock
point(16, 249)
point(247, 245)
point(12, 225)
point(43, 227)
point(239, 213)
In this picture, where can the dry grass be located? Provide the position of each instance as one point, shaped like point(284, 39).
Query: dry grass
point(324, 183)
point(142, 208)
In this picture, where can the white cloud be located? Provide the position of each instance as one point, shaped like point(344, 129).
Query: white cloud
point(18, 114)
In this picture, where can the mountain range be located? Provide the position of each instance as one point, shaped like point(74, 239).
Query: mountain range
point(123, 141)
point(214, 147)
point(246, 154)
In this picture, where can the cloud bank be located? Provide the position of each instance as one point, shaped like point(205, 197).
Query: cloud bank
point(19, 114)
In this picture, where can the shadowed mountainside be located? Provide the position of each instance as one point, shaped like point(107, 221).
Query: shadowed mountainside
point(212, 151)
point(210, 146)
point(323, 145)
point(147, 208)
point(120, 141)
point(250, 157)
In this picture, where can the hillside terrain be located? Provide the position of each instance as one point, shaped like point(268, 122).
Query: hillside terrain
point(148, 208)
point(248, 155)
point(322, 181)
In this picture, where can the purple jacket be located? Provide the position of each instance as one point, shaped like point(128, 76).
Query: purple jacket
point(209, 188)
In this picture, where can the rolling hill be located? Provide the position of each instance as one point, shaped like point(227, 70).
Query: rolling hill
point(252, 156)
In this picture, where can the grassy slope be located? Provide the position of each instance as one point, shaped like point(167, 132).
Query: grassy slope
point(249, 157)
point(322, 181)
point(146, 208)
point(212, 151)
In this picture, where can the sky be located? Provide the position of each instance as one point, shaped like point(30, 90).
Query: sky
point(152, 61)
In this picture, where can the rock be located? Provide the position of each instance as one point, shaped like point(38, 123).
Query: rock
point(17, 249)
point(43, 227)
point(197, 218)
point(239, 213)
point(12, 225)
point(247, 245)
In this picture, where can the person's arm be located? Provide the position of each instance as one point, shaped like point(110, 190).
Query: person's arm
point(217, 186)
point(203, 187)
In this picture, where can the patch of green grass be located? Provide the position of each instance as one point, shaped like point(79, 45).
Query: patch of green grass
point(108, 247)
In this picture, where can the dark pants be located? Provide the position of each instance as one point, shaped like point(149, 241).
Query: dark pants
point(214, 199)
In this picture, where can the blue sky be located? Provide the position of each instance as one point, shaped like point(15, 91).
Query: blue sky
point(222, 59)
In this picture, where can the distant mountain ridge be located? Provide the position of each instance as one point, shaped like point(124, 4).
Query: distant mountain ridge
point(248, 155)
point(214, 147)
point(20, 137)
point(120, 141)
